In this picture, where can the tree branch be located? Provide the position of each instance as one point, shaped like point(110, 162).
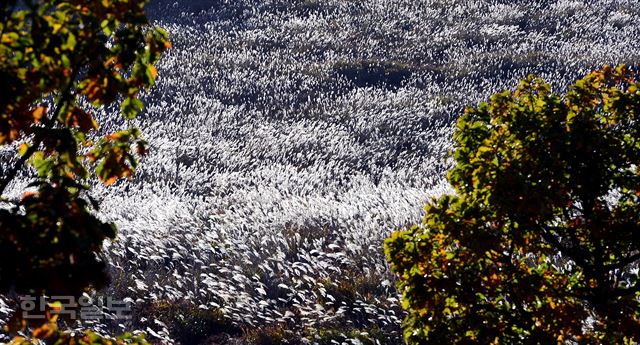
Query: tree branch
point(625, 292)
point(624, 262)
point(64, 99)
point(570, 252)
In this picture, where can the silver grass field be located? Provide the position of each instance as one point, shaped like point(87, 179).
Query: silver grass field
point(290, 138)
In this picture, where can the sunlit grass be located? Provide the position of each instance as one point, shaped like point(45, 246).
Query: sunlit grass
point(275, 173)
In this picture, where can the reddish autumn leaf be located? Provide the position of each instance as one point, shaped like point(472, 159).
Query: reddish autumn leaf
point(39, 113)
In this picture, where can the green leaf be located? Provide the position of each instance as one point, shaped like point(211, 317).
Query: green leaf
point(106, 27)
point(71, 42)
point(131, 107)
point(65, 61)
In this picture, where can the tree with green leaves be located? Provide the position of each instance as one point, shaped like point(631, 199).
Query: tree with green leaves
point(61, 60)
point(540, 242)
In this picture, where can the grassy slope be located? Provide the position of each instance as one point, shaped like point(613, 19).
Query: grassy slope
point(290, 137)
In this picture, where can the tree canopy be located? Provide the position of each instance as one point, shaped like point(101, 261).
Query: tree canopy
point(61, 61)
point(540, 241)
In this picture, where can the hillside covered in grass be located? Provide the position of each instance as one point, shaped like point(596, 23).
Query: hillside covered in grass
point(289, 138)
